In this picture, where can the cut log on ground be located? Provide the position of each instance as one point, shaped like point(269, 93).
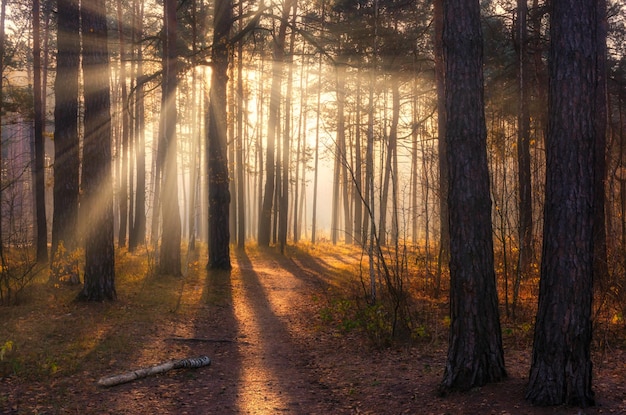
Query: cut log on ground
point(189, 363)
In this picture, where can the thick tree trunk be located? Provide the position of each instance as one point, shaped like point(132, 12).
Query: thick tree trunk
point(561, 370)
point(217, 160)
point(66, 142)
point(169, 255)
point(475, 354)
point(600, 266)
point(444, 229)
point(96, 180)
point(39, 167)
point(231, 147)
point(3, 8)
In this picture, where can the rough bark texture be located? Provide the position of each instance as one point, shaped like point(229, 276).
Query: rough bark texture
point(600, 266)
point(3, 7)
point(169, 256)
point(475, 355)
point(561, 369)
point(40, 175)
point(66, 150)
point(219, 194)
point(96, 174)
point(123, 193)
point(444, 230)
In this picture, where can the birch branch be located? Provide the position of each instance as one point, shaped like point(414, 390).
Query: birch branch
point(189, 363)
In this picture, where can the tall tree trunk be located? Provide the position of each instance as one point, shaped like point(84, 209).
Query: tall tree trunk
point(284, 197)
point(561, 369)
point(241, 213)
point(304, 83)
point(341, 160)
point(47, 6)
point(358, 168)
point(232, 145)
point(390, 155)
point(217, 161)
point(318, 116)
point(600, 260)
point(525, 206)
point(369, 220)
point(339, 151)
point(3, 8)
point(277, 185)
point(96, 180)
point(414, 169)
point(259, 145)
point(169, 255)
point(66, 141)
point(40, 173)
point(444, 225)
point(123, 179)
point(265, 219)
point(194, 168)
point(138, 236)
point(475, 354)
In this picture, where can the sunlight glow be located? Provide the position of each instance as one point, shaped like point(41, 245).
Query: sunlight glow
point(260, 397)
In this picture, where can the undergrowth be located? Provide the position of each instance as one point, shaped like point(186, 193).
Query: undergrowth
point(48, 334)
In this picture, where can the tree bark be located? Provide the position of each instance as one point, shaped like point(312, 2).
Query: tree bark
point(241, 213)
point(123, 179)
point(66, 141)
point(601, 272)
point(358, 168)
point(284, 196)
point(138, 235)
point(475, 354)
point(561, 370)
point(3, 8)
point(217, 159)
point(39, 167)
point(318, 116)
point(169, 255)
point(190, 363)
point(96, 180)
point(444, 225)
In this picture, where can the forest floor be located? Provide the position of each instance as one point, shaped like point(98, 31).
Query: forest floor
point(274, 349)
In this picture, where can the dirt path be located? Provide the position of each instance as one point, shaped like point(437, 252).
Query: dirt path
point(271, 354)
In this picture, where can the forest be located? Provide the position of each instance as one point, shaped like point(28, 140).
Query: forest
point(349, 206)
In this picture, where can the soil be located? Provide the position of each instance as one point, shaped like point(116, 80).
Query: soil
point(271, 354)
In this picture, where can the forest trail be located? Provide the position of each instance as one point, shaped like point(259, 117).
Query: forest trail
point(271, 353)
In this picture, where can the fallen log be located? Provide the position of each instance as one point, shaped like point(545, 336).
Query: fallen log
point(189, 363)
